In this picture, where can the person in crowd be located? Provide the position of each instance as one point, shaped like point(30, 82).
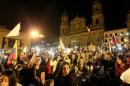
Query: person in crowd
point(36, 72)
point(55, 74)
point(3, 58)
point(125, 77)
point(54, 62)
point(1, 68)
point(79, 67)
point(98, 75)
point(49, 82)
point(91, 58)
point(73, 59)
point(128, 58)
point(81, 64)
point(46, 65)
point(84, 72)
point(109, 68)
point(64, 77)
point(11, 61)
point(120, 65)
point(8, 78)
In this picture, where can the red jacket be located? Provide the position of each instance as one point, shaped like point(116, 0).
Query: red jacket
point(120, 68)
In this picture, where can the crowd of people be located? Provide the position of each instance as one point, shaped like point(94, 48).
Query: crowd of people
point(79, 67)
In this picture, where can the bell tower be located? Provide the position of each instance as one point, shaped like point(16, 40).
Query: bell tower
point(64, 27)
point(128, 19)
point(97, 28)
point(97, 15)
point(128, 23)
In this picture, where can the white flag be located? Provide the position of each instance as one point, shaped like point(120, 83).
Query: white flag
point(14, 31)
point(88, 29)
point(61, 44)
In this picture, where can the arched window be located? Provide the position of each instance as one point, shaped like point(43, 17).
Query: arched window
point(129, 17)
point(105, 40)
point(122, 39)
point(63, 30)
point(97, 21)
point(96, 9)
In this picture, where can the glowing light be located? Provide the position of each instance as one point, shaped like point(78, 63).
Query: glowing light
point(125, 45)
point(113, 47)
point(121, 34)
point(76, 47)
point(42, 42)
point(51, 53)
point(69, 50)
point(37, 49)
point(59, 47)
point(127, 34)
point(34, 34)
point(47, 44)
point(73, 41)
point(25, 49)
point(119, 48)
point(126, 40)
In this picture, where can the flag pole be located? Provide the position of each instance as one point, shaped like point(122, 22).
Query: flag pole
point(89, 33)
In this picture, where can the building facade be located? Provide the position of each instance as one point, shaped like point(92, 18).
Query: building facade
point(5, 42)
point(77, 33)
point(121, 35)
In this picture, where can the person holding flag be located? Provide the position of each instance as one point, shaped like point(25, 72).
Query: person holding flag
point(114, 40)
point(12, 60)
point(14, 33)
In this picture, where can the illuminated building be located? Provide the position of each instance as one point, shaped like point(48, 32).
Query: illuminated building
point(76, 33)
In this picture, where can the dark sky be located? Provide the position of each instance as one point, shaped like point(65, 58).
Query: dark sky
point(45, 14)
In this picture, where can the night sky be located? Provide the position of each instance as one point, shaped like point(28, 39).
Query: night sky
point(45, 14)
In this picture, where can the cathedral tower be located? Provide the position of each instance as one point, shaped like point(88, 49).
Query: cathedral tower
point(128, 23)
point(97, 28)
point(64, 26)
point(97, 15)
point(128, 19)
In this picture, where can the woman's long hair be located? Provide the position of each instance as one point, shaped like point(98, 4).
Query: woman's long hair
point(58, 67)
point(122, 58)
point(61, 67)
point(10, 73)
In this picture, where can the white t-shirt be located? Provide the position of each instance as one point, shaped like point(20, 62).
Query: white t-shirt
point(125, 76)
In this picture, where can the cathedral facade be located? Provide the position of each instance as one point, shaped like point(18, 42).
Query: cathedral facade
point(77, 33)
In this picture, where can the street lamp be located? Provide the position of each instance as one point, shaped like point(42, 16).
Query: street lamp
point(34, 35)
